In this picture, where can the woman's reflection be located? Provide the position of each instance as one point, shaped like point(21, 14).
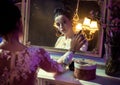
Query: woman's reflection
point(63, 26)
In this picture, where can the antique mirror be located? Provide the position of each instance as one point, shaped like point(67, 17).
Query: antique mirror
point(39, 19)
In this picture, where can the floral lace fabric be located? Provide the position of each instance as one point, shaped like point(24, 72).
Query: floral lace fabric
point(26, 65)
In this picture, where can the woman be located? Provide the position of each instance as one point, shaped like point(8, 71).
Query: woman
point(63, 23)
point(19, 63)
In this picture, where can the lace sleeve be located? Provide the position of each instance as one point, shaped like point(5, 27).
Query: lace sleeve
point(49, 64)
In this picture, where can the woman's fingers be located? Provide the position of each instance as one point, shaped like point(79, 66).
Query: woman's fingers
point(77, 41)
point(81, 43)
point(79, 37)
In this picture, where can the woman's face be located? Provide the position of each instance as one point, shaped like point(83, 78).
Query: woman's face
point(63, 24)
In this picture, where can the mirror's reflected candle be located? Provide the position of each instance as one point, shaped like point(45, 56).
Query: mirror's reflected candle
point(78, 27)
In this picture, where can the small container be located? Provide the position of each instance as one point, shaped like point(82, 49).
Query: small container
point(85, 69)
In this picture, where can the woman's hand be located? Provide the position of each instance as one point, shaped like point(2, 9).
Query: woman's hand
point(77, 41)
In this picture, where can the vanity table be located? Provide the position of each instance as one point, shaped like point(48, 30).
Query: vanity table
point(67, 78)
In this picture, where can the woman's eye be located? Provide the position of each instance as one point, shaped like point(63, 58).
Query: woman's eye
point(57, 24)
point(64, 22)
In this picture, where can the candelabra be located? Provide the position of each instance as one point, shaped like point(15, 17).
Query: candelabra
point(88, 27)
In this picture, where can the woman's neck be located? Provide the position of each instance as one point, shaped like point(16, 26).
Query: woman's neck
point(69, 35)
point(11, 44)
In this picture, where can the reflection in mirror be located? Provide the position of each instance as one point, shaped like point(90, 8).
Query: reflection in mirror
point(63, 22)
point(39, 19)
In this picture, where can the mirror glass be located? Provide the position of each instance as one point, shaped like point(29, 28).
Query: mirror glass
point(39, 19)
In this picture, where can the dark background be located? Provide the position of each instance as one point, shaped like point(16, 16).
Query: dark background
point(41, 30)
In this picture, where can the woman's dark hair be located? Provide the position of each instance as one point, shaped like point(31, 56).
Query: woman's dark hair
point(9, 16)
point(63, 11)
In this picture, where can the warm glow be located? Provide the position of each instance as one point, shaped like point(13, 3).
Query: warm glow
point(87, 28)
point(78, 27)
point(86, 21)
point(55, 25)
point(93, 25)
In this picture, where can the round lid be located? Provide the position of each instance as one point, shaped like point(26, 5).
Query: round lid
point(84, 64)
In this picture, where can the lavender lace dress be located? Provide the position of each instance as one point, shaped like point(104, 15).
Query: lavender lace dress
point(22, 69)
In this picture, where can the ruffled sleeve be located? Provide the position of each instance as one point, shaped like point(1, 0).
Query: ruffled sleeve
point(48, 64)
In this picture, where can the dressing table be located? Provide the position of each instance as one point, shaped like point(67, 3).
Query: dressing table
point(67, 78)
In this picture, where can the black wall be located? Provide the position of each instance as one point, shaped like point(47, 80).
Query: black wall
point(41, 30)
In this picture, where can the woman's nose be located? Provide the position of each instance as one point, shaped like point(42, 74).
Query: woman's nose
point(61, 26)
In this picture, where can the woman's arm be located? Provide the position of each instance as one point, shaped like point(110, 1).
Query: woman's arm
point(48, 64)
